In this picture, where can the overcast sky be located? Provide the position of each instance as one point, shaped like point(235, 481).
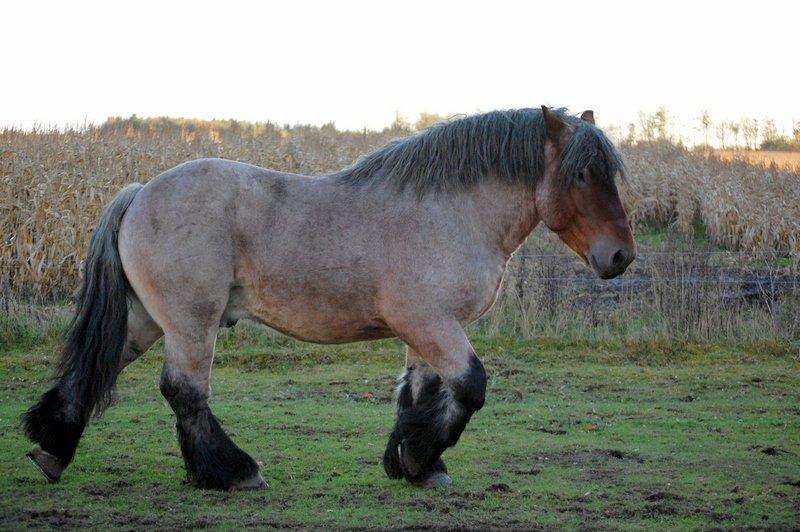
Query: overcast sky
point(357, 63)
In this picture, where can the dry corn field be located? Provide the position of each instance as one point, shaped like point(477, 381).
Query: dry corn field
point(781, 159)
point(53, 185)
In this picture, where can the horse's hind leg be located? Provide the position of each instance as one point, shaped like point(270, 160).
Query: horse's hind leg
point(57, 422)
point(212, 459)
point(444, 384)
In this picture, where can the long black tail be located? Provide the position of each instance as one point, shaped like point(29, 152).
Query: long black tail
point(93, 345)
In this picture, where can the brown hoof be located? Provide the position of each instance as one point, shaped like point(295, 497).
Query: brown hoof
point(49, 465)
point(434, 480)
point(256, 482)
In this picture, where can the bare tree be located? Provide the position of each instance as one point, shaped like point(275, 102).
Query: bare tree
point(646, 127)
point(721, 129)
point(769, 131)
point(631, 138)
point(733, 127)
point(750, 132)
point(661, 118)
point(705, 125)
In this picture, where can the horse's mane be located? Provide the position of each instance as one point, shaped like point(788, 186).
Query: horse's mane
point(508, 145)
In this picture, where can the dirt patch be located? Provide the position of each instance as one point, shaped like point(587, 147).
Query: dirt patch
point(649, 510)
point(594, 387)
point(596, 456)
point(466, 500)
point(662, 496)
point(527, 471)
point(67, 519)
point(308, 430)
point(102, 491)
point(219, 497)
point(774, 451)
point(128, 521)
point(546, 430)
point(594, 464)
point(500, 487)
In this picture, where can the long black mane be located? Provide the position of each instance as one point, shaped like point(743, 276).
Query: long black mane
point(507, 145)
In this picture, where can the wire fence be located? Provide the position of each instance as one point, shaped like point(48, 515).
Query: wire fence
point(42, 282)
point(692, 295)
point(668, 294)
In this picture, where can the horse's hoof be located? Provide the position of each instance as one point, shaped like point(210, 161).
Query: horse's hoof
point(434, 480)
point(48, 465)
point(256, 482)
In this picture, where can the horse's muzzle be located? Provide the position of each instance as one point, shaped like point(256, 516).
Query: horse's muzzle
point(610, 257)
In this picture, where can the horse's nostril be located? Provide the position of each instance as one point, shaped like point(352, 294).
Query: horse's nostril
point(618, 259)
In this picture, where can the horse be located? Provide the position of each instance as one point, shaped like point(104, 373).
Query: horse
point(411, 241)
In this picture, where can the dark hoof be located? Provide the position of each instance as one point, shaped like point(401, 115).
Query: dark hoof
point(434, 480)
point(49, 465)
point(256, 482)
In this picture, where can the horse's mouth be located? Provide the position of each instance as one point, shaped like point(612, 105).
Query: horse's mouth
point(600, 273)
point(605, 274)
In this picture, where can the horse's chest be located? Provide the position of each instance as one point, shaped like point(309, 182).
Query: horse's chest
point(476, 293)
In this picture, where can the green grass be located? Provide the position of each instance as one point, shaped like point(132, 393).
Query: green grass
point(659, 235)
point(604, 436)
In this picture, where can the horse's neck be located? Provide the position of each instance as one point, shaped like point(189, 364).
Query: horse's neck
point(506, 213)
point(500, 215)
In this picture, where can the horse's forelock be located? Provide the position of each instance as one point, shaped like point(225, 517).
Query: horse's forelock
point(590, 148)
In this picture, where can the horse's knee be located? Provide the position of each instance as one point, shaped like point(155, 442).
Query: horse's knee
point(432, 414)
point(183, 397)
point(470, 388)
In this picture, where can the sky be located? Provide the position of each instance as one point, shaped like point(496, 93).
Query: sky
point(358, 63)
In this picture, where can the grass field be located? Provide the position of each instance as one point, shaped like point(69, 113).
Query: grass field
point(603, 436)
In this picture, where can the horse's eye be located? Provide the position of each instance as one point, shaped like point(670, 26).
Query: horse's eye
point(580, 177)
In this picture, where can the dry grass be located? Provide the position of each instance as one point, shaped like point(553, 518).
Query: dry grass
point(54, 184)
point(789, 160)
point(666, 295)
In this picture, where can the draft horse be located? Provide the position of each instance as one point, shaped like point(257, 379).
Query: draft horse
point(412, 242)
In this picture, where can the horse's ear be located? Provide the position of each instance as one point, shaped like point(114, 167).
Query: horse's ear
point(553, 125)
point(588, 116)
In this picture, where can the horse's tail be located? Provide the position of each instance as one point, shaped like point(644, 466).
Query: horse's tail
point(93, 345)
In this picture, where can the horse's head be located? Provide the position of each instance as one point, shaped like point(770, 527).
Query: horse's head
point(577, 197)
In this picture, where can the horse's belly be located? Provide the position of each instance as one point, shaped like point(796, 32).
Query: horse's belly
point(329, 331)
point(318, 319)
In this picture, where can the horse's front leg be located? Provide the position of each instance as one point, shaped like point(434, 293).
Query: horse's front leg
point(443, 385)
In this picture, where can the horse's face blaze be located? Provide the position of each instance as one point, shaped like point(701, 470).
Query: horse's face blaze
point(588, 216)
